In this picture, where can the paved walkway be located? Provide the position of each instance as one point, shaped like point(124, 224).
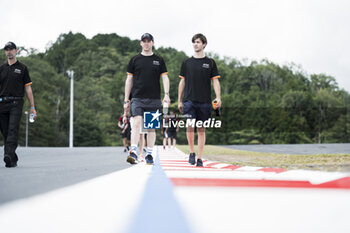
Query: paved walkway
point(173, 196)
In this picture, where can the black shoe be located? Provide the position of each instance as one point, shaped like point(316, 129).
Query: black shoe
point(125, 150)
point(149, 160)
point(192, 159)
point(128, 148)
point(199, 163)
point(132, 158)
point(9, 162)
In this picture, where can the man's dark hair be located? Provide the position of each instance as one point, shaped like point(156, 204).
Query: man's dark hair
point(201, 37)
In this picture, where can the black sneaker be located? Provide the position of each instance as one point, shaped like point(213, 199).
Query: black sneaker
point(149, 160)
point(9, 162)
point(132, 158)
point(199, 163)
point(127, 147)
point(192, 159)
point(125, 150)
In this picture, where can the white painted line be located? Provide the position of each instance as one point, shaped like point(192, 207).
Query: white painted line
point(159, 210)
point(265, 210)
point(314, 177)
point(220, 174)
point(221, 165)
point(248, 168)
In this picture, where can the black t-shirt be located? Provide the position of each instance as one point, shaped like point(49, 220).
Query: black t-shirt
point(13, 79)
point(146, 72)
point(198, 72)
point(127, 122)
point(172, 123)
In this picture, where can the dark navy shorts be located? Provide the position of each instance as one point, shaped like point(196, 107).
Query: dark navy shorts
point(197, 110)
point(138, 106)
point(172, 133)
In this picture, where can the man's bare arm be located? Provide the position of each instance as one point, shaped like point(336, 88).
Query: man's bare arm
point(180, 94)
point(166, 85)
point(217, 90)
point(29, 93)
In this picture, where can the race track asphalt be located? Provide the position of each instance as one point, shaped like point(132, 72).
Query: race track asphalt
point(305, 149)
point(44, 169)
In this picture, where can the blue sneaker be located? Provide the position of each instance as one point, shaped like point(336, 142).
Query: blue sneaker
point(149, 160)
point(199, 163)
point(192, 159)
point(132, 158)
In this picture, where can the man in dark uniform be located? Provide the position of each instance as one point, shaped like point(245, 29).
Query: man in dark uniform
point(14, 82)
point(125, 131)
point(197, 73)
point(173, 128)
point(164, 131)
point(143, 80)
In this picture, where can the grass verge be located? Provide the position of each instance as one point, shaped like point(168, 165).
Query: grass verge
point(323, 162)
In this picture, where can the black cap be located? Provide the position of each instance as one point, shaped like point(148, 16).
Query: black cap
point(147, 36)
point(10, 45)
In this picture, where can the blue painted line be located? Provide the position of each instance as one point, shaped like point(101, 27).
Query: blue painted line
point(159, 212)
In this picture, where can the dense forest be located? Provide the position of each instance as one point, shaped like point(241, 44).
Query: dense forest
point(263, 102)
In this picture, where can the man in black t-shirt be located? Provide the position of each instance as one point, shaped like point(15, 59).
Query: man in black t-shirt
point(143, 73)
point(197, 73)
point(14, 82)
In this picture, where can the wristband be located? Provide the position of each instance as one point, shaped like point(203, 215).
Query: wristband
point(32, 107)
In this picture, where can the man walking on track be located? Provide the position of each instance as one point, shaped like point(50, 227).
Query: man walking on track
point(143, 74)
point(196, 75)
point(14, 82)
point(173, 128)
point(125, 131)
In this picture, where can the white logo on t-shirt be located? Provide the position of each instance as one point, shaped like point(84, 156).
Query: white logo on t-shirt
point(18, 71)
point(156, 63)
point(205, 65)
